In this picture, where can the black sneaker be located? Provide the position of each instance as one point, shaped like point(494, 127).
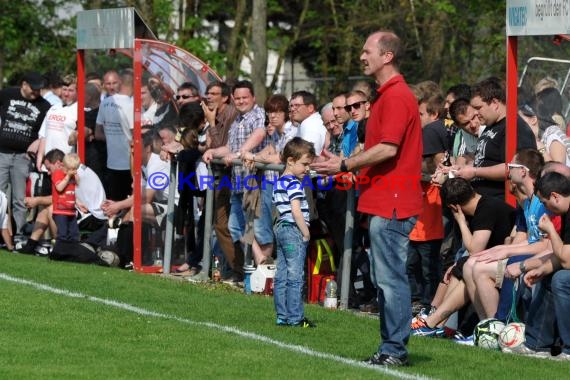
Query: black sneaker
point(234, 280)
point(387, 360)
point(305, 323)
point(29, 248)
point(371, 307)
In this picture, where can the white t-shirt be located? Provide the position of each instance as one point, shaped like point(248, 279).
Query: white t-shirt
point(147, 117)
point(3, 208)
point(290, 130)
point(52, 98)
point(313, 130)
point(90, 191)
point(156, 165)
point(58, 124)
point(554, 133)
point(116, 117)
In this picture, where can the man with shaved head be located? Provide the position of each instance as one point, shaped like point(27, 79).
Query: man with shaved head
point(393, 140)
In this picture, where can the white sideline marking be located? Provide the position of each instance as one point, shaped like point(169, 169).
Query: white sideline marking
point(232, 330)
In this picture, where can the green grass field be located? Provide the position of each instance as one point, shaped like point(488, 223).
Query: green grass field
point(67, 321)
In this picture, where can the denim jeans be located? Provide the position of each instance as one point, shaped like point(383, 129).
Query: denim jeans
point(67, 229)
point(289, 274)
point(389, 241)
point(561, 292)
point(14, 171)
point(506, 292)
point(236, 221)
point(262, 226)
point(424, 269)
point(540, 331)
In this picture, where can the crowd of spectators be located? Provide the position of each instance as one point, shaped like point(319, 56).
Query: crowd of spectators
point(465, 252)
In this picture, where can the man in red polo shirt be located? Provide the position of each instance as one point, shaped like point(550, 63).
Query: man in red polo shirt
point(391, 160)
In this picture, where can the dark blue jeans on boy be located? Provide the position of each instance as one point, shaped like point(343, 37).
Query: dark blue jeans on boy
point(67, 229)
point(289, 274)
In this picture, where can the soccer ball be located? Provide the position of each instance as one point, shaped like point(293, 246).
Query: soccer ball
point(487, 332)
point(44, 249)
point(512, 335)
point(109, 257)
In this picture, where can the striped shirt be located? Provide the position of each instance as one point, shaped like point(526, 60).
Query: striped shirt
point(286, 189)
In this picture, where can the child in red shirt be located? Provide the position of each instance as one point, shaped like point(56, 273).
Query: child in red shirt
point(63, 198)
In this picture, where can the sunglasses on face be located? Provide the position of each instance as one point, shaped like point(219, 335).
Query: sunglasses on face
point(514, 166)
point(177, 97)
point(356, 106)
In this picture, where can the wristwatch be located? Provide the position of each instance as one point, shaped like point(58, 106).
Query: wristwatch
point(522, 267)
point(343, 168)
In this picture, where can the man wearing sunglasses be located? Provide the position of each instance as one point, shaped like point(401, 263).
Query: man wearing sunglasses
point(349, 137)
point(549, 276)
point(358, 107)
point(186, 93)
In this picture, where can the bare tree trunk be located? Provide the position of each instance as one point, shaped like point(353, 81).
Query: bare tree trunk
point(416, 32)
point(187, 9)
point(234, 51)
point(259, 49)
point(1, 69)
point(286, 46)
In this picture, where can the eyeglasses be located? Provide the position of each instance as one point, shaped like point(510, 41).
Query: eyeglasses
point(356, 106)
point(177, 97)
point(295, 106)
point(514, 166)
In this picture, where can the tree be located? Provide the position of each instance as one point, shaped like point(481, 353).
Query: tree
point(33, 36)
point(448, 41)
point(259, 48)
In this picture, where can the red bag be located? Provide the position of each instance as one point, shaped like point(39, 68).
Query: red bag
point(320, 267)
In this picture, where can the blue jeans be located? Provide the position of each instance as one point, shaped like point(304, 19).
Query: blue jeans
point(67, 229)
point(289, 274)
point(561, 292)
point(424, 269)
point(262, 226)
point(389, 241)
point(14, 171)
point(506, 292)
point(236, 220)
point(540, 331)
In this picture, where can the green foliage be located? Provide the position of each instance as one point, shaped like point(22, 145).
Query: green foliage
point(34, 37)
point(202, 48)
point(447, 41)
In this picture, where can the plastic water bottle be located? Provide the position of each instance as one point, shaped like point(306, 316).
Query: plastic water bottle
point(331, 294)
point(216, 270)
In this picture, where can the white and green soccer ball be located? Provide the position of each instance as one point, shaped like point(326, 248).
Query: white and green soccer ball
point(486, 333)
